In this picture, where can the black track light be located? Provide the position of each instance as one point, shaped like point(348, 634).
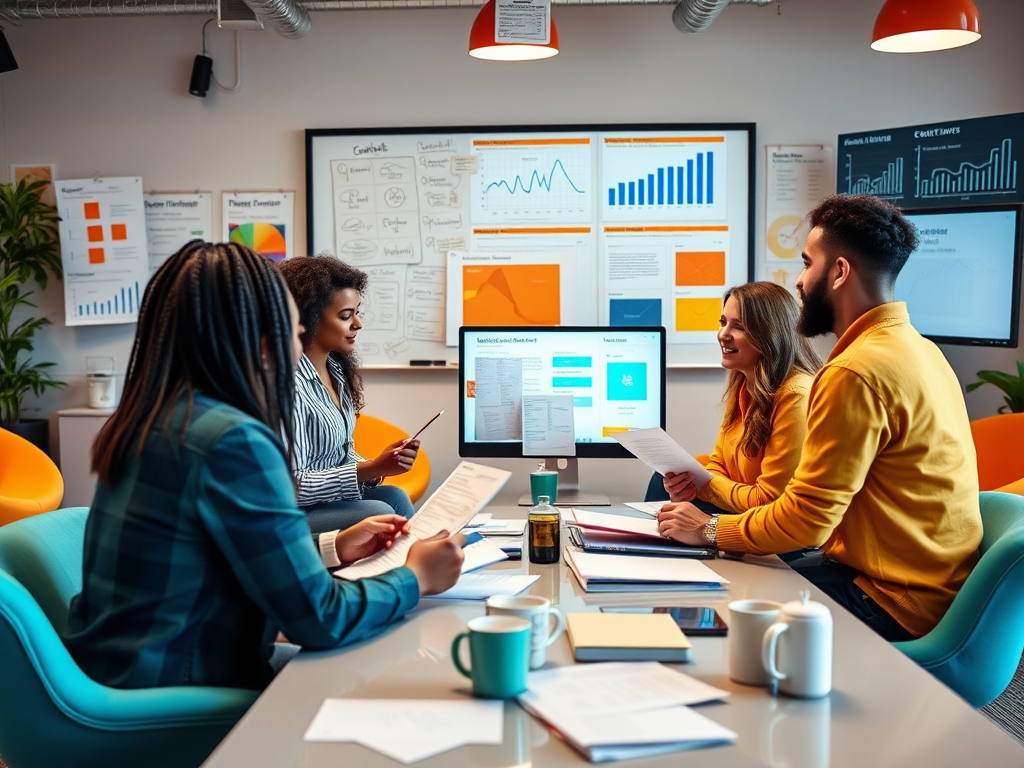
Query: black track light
point(202, 69)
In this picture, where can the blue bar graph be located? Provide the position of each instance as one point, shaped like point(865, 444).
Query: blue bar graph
point(692, 183)
point(123, 302)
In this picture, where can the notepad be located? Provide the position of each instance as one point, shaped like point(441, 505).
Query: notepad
point(633, 573)
point(626, 637)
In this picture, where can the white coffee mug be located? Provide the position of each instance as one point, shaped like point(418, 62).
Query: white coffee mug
point(749, 620)
point(797, 650)
point(538, 611)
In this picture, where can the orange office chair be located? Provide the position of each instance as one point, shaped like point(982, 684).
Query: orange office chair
point(373, 435)
point(999, 441)
point(30, 483)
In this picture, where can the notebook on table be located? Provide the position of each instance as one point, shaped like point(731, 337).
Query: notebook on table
point(635, 573)
point(608, 542)
point(626, 637)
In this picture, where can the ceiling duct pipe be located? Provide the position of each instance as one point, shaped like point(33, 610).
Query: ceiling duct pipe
point(285, 16)
point(697, 15)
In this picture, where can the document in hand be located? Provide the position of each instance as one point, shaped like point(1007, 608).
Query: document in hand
point(617, 711)
point(635, 573)
point(661, 453)
point(466, 491)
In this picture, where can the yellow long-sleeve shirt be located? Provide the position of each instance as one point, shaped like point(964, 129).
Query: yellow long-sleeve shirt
point(888, 479)
point(740, 482)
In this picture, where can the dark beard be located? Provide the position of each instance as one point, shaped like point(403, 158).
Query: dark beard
point(817, 315)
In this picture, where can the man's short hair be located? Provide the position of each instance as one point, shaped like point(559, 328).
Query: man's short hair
point(870, 232)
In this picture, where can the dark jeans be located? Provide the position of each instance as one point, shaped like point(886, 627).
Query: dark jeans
point(656, 492)
point(836, 581)
point(335, 515)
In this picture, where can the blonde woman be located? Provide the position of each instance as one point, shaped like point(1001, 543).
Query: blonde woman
point(771, 367)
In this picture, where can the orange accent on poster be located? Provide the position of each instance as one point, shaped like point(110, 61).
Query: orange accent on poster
point(118, 232)
point(96, 256)
point(94, 233)
point(698, 314)
point(470, 389)
point(511, 294)
point(92, 210)
point(700, 268)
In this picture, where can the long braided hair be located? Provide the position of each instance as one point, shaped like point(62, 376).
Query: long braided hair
point(205, 319)
point(769, 314)
point(314, 282)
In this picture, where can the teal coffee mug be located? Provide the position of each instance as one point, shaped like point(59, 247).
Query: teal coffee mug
point(544, 483)
point(499, 652)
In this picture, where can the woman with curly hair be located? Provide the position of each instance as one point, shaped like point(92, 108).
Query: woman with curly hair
point(336, 487)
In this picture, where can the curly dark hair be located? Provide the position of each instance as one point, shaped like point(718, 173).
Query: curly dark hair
point(314, 282)
point(872, 233)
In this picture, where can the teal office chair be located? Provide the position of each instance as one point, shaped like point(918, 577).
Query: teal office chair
point(51, 713)
point(976, 647)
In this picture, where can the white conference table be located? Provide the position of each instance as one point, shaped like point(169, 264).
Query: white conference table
point(883, 710)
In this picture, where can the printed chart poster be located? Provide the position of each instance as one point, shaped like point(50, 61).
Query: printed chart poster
point(960, 162)
point(799, 177)
point(510, 289)
point(103, 247)
point(263, 221)
point(173, 219)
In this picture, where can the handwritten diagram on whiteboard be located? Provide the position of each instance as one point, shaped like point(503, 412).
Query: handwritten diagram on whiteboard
point(609, 225)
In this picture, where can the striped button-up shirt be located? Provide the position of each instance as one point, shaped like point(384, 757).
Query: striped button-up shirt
point(198, 555)
point(325, 457)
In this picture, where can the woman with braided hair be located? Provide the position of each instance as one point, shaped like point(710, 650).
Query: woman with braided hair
point(196, 554)
point(336, 487)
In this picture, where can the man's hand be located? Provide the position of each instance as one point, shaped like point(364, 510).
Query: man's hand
point(437, 562)
point(368, 536)
point(680, 486)
point(683, 523)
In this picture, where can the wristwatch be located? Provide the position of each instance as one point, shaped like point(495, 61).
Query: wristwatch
point(711, 531)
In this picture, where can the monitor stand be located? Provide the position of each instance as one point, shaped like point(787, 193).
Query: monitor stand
point(569, 494)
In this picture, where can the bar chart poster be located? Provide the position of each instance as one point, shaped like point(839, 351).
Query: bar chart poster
point(659, 178)
point(964, 162)
point(103, 247)
point(542, 180)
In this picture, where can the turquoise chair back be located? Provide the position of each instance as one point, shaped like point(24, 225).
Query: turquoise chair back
point(51, 713)
point(976, 647)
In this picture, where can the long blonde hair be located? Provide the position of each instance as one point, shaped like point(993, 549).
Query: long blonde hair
point(769, 315)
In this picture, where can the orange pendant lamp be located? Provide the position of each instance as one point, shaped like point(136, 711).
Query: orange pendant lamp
point(482, 43)
point(915, 26)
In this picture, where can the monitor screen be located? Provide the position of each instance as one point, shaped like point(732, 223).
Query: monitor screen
point(962, 284)
point(616, 377)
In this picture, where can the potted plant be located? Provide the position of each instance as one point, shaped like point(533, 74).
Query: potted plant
point(1012, 387)
point(29, 249)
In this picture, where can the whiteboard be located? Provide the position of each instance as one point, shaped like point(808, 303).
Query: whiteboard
point(656, 218)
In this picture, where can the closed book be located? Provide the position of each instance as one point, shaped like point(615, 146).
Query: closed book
point(626, 637)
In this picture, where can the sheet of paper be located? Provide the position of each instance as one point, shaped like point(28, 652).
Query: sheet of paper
point(480, 586)
point(502, 528)
point(647, 507)
point(548, 427)
point(174, 218)
point(672, 725)
point(639, 568)
point(466, 491)
point(661, 453)
point(409, 730)
point(481, 554)
point(498, 398)
point(603, 521)
point(483, 518)
point(586, 690)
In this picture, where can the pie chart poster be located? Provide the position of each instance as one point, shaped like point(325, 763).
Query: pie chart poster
point(263, 221)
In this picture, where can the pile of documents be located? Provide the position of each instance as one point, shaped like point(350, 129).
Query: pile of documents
point(635, 573)
point(618, 711)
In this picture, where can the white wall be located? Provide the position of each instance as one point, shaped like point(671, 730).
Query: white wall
point(110, 96)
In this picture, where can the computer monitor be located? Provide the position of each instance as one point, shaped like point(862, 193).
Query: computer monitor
point(616, 377)
point(962, 284)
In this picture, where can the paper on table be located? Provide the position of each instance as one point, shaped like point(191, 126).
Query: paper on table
point(644, 570)
point(548, 427)
point(408, 731)
point(483, 518)
point(584, 690)
point(466, 491)
point(480, 586)
point(480, 554)
point(661, 453)
point(602, 521)
point(651, 508)
point(502, 528)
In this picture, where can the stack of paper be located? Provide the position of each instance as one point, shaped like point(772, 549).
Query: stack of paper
point(480, 586)
point(602, 521)
point(618, 711)
point(634, 573)
point(480, 554)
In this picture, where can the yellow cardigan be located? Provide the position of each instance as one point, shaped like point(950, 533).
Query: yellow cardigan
point(740, 482)
point(888, 480)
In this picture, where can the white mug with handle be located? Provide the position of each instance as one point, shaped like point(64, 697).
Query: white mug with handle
point(797, 649)
point(538, 611)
